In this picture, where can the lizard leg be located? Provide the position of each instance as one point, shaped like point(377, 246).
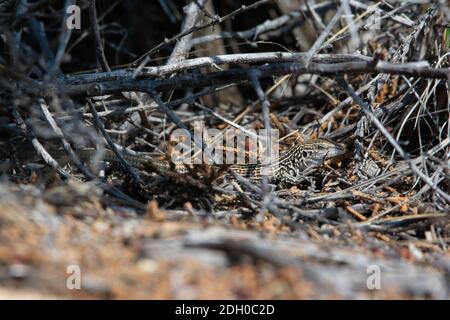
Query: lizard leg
point(293, 179)
point(299, 177)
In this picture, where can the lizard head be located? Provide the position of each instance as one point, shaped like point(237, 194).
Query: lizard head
point(319, 150)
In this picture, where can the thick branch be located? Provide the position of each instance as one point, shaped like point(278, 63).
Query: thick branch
point(196, 80)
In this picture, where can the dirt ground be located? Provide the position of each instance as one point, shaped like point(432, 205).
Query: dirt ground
point(177, 255)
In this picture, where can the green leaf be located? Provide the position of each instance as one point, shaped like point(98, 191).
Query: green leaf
point(447, 37)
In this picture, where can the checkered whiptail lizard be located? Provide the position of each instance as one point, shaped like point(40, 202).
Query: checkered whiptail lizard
point(290, 167)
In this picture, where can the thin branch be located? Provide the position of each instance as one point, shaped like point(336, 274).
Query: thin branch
point(146, 57)
point(366, 109)
point(66, 145)
point(27, 131)
point(175, 119)
point(95, 29)
point(64, 38)
point(184, 45)
point(290, 19)
point(317, 45)
point(112, 145)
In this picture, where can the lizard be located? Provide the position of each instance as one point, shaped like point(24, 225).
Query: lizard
point(290, 166)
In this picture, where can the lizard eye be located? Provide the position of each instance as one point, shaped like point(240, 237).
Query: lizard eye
point(305, 154)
